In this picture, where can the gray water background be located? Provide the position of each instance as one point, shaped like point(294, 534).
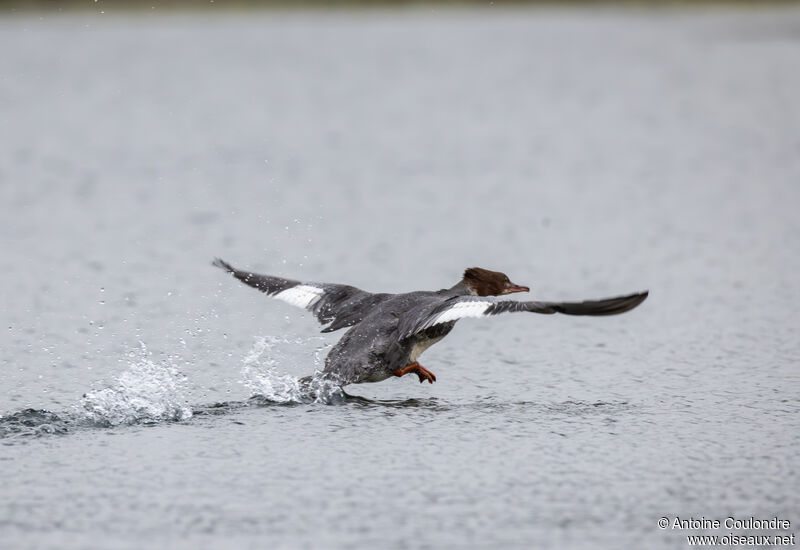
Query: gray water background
point(584, 153)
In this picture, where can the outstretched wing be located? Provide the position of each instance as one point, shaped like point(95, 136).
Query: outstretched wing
point(340, 305)
point(474, 306)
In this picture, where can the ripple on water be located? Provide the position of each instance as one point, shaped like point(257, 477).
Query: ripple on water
point(32, 422)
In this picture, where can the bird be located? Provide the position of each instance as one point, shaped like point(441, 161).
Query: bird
point(387, 333)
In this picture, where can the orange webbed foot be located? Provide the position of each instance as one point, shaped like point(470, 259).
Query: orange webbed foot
point(425, 374)
point(419, 370)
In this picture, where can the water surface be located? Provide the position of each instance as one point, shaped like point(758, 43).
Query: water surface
point(584, 154)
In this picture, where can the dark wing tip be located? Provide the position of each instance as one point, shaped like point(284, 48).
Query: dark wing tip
point(609, 306)
point(606, 306)
point(222, 264)
point(636, 299)
point(622, 304)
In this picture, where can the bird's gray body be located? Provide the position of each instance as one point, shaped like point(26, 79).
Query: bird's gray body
point(388, 332)
point(374, 349)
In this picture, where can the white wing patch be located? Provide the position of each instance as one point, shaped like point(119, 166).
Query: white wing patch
point(303, 296)
point(459, 310)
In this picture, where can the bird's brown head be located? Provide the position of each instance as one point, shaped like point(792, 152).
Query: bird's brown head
point(483, 282)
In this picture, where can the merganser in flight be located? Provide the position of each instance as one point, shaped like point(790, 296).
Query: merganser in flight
point(390, 331)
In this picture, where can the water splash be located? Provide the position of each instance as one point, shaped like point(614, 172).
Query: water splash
point(260, 375)
point(147, 392)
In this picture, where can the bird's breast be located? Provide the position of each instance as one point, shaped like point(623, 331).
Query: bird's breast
point(420, 346)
